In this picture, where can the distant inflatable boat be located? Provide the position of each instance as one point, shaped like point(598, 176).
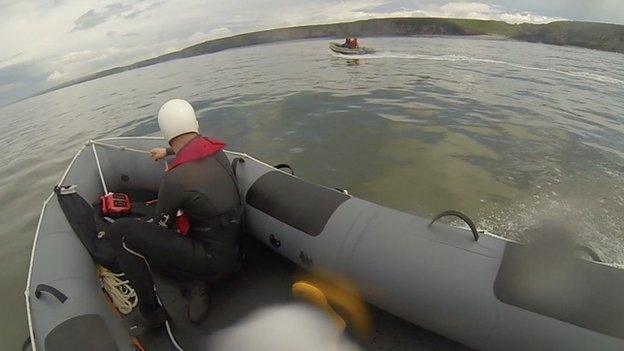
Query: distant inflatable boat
point(335, 47)
point(479, 289)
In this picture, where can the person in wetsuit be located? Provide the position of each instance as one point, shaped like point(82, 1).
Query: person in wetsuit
point(351, 43)
point(198, 195)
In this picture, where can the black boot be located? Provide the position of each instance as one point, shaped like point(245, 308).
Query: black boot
point(199, 298)
point(150, 322)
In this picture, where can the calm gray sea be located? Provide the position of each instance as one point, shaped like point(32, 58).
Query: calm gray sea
point(510, 133)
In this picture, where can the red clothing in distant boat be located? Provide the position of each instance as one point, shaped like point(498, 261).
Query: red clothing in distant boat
point(351, 43)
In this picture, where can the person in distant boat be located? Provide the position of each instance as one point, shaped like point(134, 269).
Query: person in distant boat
point(351, 43)
point(196, 230)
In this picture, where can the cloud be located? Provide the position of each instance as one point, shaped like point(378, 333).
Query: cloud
point(94, 17)
point(580, 10)
point(220, 32)
point(461, 9)
point(88, 20)
point(215, 33)
point(10, 58)
point(54, 76)
point(22, 72)
point(132, 14)
point(113, 34)
point(142, 8)
point(477, 10)
point(20, 78)
point(77, 56)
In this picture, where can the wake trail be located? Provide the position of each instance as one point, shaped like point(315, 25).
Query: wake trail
point(462, 58)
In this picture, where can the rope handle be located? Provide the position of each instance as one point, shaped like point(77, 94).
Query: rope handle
point(461, 216)
point(589, 251)
point(235, 163)
point(50, 290)
point(282, 166)
point(27, 344)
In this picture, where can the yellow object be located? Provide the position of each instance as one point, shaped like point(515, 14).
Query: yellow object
point(338, 298)
point(312, 294)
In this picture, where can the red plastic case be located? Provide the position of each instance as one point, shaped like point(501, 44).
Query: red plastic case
point(115, 204)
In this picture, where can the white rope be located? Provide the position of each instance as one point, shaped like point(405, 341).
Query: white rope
point(174, 341)
point(99, 168)
point(120, 147)
point(126, 148)
point(167, 324)
point(70, 165)
point(119, 290)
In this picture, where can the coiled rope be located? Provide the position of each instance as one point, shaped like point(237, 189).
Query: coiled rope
point(119, 290)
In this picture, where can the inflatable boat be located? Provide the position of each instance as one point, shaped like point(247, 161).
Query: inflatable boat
point(478, 289)
point(336, 47)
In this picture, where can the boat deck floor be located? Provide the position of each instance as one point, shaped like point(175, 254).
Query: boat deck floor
point(265, 280)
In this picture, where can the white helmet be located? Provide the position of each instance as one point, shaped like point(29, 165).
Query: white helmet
point(177, 117)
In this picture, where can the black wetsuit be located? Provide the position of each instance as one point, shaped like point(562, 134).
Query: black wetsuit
point(207, 193)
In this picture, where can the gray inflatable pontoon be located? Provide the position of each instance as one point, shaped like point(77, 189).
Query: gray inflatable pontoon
point(480, 290)
point(336, 47)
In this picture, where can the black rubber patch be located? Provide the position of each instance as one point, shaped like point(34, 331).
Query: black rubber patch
point(570, 289)
point(300, 204)
point(86, 332)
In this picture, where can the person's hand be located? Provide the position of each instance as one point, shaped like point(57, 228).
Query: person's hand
point(158, 153)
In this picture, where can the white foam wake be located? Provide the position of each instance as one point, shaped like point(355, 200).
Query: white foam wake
point(461, 58)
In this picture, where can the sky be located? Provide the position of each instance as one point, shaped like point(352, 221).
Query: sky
point(47, 42)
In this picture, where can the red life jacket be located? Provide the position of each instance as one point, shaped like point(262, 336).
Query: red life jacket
point(196, 149)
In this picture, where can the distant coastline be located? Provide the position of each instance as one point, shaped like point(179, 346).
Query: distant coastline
point(598, 36)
